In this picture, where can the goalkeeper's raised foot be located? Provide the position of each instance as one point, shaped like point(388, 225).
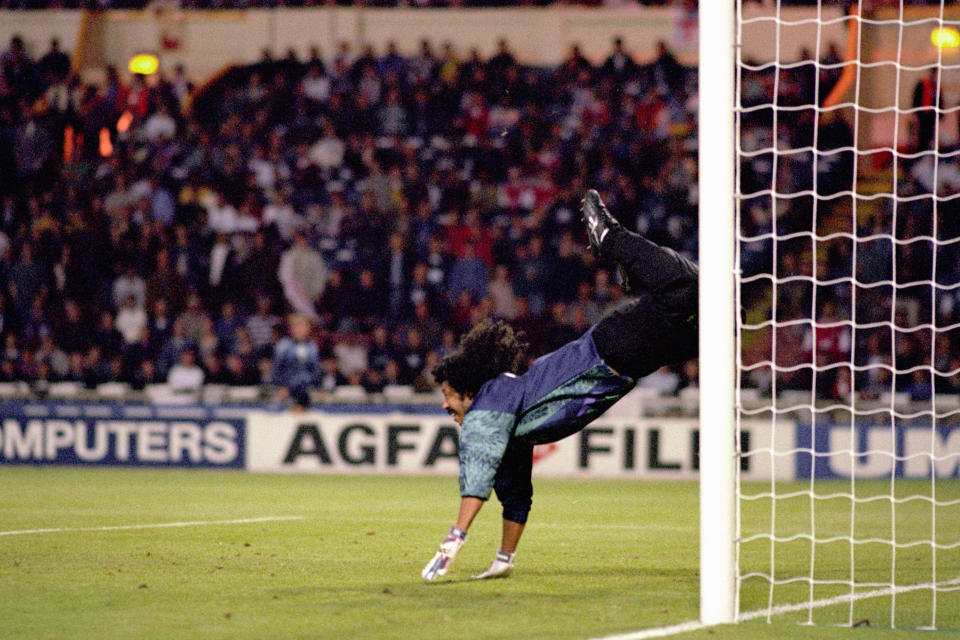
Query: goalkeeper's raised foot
point(598, 220)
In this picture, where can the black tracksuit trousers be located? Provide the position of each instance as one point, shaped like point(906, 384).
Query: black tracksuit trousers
point(658, 326)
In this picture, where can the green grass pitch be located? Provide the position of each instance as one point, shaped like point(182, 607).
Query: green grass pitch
point(598, 558)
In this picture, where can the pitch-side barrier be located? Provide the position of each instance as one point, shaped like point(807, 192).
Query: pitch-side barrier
point(411, 439)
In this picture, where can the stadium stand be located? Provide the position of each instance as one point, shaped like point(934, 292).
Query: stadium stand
point(244, 4)
point(156, 236)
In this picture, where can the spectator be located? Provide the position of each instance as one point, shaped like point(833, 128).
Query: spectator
point(238, 373)
point(147, 374)
point(194, 318)
point(337, 303)
point(164, 281)
point(303, 275)
point(227, 325)
point(431, 330)
point(381, 349)
point(75, 368)
point(502, 294)
point(222, 216)
point(351, 355)
point(413, 357)
point(72, 333)
point(26, 278)
point(176, 344)
point(330, 376)
point(131, 320)
point(107, 339)
point(186, 375)
point(369, 301)
point(395, 273)
point(160, 126)
point(129, 285)
point(261, 325)
point(17, 67)
point(296, 362)
point(468, 273)
point(619, 65)
point(664, 381)
point(927, 98)
point(160, 324)
point(213, 369)
point(50, 354)
point(55, 64)
point(96, 370)
point(222, 274)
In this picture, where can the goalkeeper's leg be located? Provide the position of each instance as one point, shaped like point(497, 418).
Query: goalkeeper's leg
point(515, 490)
point(659, 326)
point(647, 266)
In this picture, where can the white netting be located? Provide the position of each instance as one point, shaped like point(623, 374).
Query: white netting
point(848, 222)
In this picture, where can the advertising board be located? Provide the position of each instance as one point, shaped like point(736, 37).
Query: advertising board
point(130, 435)
point(402, 443)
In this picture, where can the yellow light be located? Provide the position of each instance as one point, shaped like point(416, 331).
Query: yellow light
point(945, 38)
point(144, 63)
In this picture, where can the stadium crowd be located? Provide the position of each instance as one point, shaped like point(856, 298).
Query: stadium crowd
point(884, 297)
point(391, 201)
point(689, 5)
point(245, 4)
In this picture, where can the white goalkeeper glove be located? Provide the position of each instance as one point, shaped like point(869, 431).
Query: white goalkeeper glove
point(445, 555)
point(501, 566)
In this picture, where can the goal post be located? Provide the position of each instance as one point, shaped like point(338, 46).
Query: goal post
point(718, 500)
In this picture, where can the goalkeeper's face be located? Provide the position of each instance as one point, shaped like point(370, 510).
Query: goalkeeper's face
point(454, 402)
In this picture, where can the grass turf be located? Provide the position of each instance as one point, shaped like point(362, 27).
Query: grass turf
point(598, 558)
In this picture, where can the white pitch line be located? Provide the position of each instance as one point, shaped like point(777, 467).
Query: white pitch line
point(538, 524)
point(158, 525)
point(847, 597)
point(694, 625)
point(658, 632)
point(629, 527)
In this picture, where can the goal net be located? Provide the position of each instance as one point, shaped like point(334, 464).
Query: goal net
point(847, 215)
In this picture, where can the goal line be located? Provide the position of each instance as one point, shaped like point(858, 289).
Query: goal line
point(696, 625)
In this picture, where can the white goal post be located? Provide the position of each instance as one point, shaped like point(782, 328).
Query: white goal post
point(718, 590)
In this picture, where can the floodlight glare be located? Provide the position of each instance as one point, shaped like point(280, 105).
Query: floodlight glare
point(144, 64)
point(945, 38)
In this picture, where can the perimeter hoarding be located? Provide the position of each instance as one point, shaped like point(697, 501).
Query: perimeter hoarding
point(128, 435)
point(916, 448)
point(403, 443)
point(418, 440)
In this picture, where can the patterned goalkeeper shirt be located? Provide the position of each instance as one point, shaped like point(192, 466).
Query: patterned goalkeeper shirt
point(560, 394)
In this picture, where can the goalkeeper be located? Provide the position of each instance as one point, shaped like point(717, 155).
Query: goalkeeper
point(504, 412)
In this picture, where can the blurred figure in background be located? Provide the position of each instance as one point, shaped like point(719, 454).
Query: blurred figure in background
point(186, 375)
point(296, 363)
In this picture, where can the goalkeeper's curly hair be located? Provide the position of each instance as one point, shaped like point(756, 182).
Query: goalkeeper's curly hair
point(487, 350)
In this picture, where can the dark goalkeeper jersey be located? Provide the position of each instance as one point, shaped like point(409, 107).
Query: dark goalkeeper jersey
point(560, 394)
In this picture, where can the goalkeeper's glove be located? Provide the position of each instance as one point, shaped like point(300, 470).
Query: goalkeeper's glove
point(445, 555)
point(501, 566)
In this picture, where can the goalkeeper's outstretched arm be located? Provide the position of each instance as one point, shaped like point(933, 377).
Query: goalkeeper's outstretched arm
point(450, 546)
